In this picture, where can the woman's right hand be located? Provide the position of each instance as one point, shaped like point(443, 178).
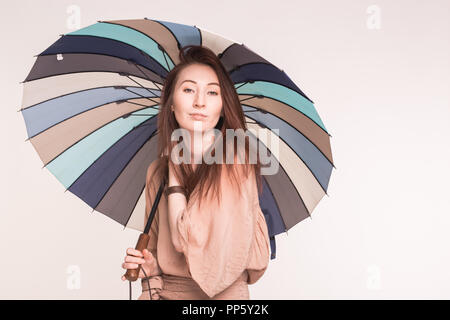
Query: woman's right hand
point(134, 258)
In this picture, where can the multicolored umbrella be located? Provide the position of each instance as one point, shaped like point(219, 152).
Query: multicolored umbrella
point(90, 105)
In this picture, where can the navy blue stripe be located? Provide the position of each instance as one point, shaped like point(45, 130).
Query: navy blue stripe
point(110, 47)
point(95, 182)
point(264, 72)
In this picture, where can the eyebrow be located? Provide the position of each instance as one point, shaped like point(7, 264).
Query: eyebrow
point(196, 82)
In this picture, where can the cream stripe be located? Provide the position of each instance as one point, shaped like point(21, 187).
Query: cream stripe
point(302, 178)
point(214, 41)
point(137, 219)
point(40, 90)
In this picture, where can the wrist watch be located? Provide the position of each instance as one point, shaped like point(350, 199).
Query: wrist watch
point(174, 189)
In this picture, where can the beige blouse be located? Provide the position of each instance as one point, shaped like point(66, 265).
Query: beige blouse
point(225, 247)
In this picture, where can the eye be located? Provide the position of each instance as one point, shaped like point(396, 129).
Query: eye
point(184, 90)
point(215, 93)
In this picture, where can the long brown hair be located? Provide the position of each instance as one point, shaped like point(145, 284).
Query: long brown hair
point(206, 175)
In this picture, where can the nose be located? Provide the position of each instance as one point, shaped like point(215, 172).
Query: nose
point(199, 100)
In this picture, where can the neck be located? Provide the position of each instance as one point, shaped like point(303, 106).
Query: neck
point(200, 142)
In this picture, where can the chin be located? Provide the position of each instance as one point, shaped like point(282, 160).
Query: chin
point(204, 126)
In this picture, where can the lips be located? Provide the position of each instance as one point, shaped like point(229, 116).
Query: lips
point(197, 115)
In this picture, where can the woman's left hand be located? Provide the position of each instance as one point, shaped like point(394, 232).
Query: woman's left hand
point(134, 258)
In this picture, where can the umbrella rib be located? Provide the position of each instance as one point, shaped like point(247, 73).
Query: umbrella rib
point(101, 156)
point(257, 110)
point(137, 66)
point(242, 84)
point(298, 156)
point(138, 104)
point(141, 125)
point(289, 106)
point(139, 114)
point(121, 171)
point(145, 34)
point(129, 77)
point(252, 96)
point(81, 90)
point(131, 213)
point(74, 115)
point(293, 127)
point(148, 98)
point(265, 80)
point(290, 180)
point(273, 196)
point(83, 136)
point(293, 184)
point(145, 54)
point(164, 55)
point(170, 31)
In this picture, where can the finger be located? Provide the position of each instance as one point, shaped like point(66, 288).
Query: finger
point(123, 278)
point(134, 252)
point(147, 255)
point(130, 266)
point(134, 259)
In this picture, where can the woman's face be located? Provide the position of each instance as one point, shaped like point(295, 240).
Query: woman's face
point(197, 91)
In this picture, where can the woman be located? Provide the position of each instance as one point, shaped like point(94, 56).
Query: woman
point(209, 238)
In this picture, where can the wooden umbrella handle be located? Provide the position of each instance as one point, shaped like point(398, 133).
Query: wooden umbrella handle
point(133, 274)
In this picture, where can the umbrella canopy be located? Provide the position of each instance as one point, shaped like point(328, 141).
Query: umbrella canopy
point(90, 105)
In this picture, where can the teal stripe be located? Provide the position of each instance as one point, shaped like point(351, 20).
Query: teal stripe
point(283, 94)
point(127, 35)
point(169, 61)
point(71, 164)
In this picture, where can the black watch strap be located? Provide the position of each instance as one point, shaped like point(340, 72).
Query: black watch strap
point(174, 189)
